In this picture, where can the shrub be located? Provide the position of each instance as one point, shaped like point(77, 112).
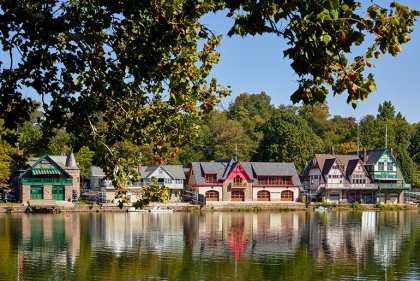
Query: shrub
point(357, 206)
point(388, 207)
point(257, 208)
point(9, 208)
point(324, 204)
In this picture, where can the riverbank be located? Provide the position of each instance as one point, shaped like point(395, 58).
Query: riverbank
point(186, 207)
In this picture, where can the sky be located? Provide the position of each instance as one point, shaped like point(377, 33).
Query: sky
point(256, 64)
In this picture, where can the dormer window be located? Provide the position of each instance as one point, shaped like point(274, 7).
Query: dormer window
point(211, 178)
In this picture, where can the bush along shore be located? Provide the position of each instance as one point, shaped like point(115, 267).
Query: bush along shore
point(212, 207)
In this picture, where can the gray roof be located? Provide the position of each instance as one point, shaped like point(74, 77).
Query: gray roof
point(96, 171)
point(175, 171)
point(71, 161)
point(61, 160)
point(372, 156)
point(254, 169)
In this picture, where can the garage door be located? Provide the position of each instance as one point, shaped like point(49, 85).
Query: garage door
point(287, 195)
point(334, 197)
point(237, 196)
point(351, 197)
point(367, 198)
point(58, 193)
point(36, 192)
point(263, 195)
point(212, 195)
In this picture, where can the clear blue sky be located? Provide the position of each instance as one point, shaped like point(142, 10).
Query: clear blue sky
point(256, 64)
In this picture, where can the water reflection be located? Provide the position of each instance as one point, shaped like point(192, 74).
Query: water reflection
point(210, 246)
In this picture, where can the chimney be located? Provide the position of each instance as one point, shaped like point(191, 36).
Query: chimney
point(139, 168)
point(364, 156)
point(332, 151)
point(392, 151)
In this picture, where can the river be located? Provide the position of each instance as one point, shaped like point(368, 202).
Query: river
point(299, 245)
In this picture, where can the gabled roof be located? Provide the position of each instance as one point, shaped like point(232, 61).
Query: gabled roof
point(326, 161)
point(352, 164)
point(372, 156)
point(254, 169)
point(175, 171)
point(61, 160)
point(327, 165)
point(45, 165)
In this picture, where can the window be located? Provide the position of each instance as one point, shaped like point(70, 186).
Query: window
point(380, 166)
point(288, 180)
point(273, 181)
point(237, 181)
point(390, 166)
point(168, 180)
point(262, 180)
point(211, 178)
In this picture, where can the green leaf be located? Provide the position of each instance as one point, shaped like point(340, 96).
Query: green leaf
point(325, 38)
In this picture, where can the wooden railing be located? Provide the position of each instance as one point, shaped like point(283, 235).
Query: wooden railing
point(238, 184)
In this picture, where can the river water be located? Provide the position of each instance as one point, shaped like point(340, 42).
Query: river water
point(297, 245)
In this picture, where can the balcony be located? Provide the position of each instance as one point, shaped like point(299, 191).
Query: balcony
point(58, 181)
point(394, 186)
point(351, 186)
point(342, 186)
point(238, 184)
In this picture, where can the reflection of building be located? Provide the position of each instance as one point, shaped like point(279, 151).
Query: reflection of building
point(228, 180)
point(50, 237)
point(245, 233)
point(50, 177)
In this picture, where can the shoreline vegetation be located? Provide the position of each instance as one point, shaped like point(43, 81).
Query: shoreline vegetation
point(216, 207)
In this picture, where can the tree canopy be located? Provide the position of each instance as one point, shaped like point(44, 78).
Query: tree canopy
point(138, 71)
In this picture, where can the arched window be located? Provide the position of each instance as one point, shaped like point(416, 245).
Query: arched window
point(287, 195)
point(237, 181)
point(263, 195)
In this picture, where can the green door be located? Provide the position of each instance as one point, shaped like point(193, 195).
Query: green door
point(58, 192)
point(36, 192)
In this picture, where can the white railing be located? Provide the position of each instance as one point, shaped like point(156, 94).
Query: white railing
point(342, 186)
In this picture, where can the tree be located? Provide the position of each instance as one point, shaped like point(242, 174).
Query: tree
point(227, 137)
point(386, 111)
point(5, 159)
point(141, 67)
point(252, 111)
point(84, 159)
point(287, 138)
point(316, 115)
